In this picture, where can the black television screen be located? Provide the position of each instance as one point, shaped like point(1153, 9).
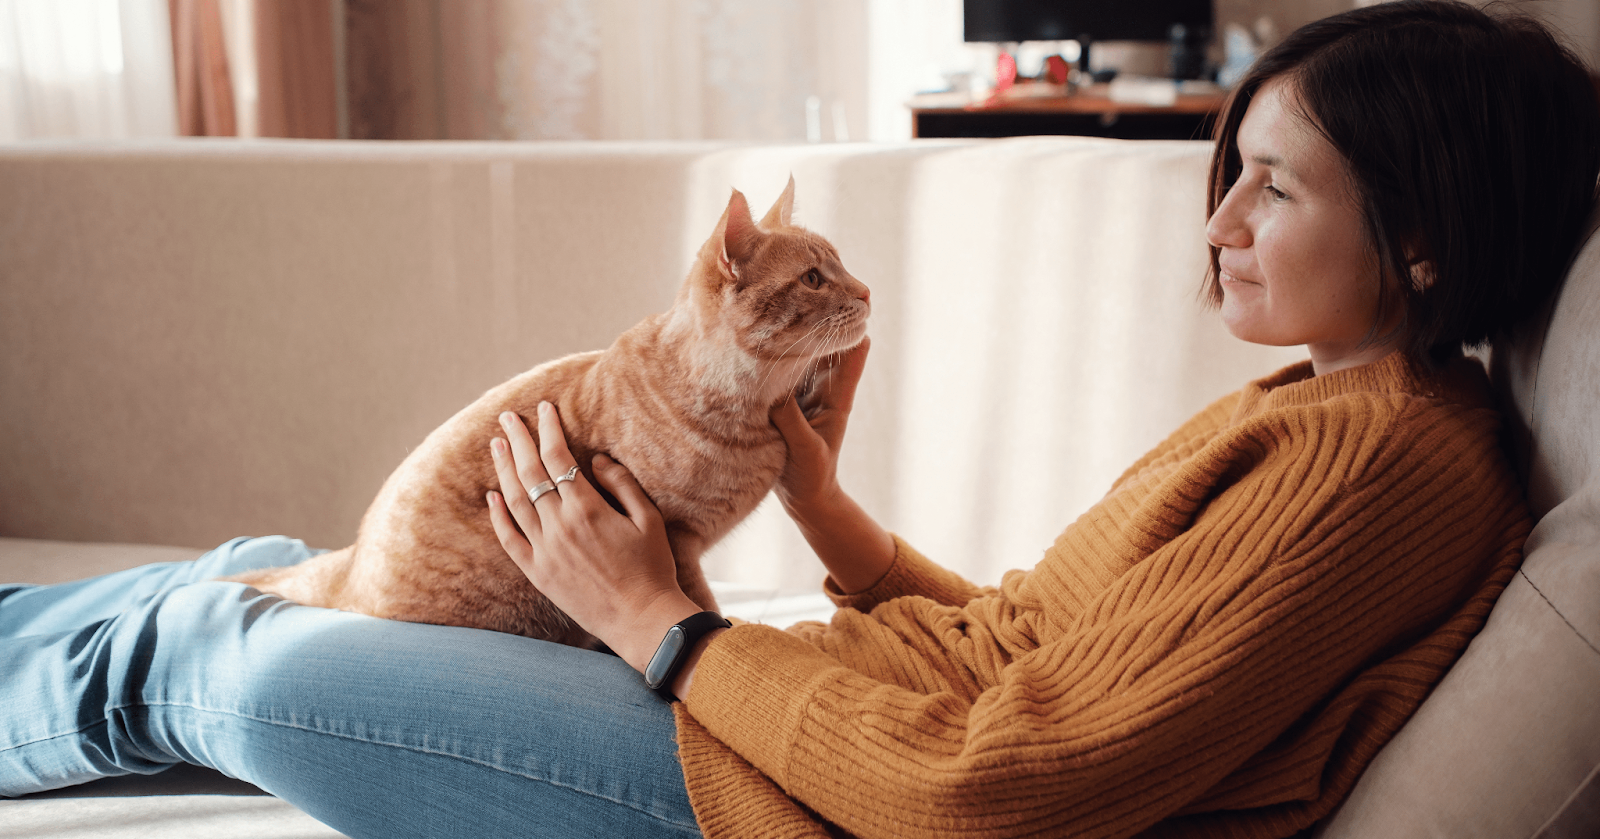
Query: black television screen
point(1099, 20)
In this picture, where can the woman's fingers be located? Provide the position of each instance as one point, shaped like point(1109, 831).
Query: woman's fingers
point(791, 422)
point(507, 530)
point(847, 375)
point(509, 509)
point(530, 469)
point(558, 459)
point(834, 394)
point(551, 463)
point(621, 483)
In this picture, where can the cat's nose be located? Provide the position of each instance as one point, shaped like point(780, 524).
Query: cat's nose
point(865, 296)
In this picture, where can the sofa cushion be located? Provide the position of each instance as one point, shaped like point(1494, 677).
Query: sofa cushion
point(1508, 745)
point(184, 802)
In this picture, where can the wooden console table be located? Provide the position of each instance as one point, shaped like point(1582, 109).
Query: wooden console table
point(1089, 112)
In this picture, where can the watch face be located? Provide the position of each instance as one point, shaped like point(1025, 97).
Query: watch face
point(665, 662)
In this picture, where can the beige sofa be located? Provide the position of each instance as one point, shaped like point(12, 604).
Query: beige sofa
point(205, 339)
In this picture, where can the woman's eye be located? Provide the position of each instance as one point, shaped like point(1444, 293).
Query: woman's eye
point(812, 279)
point(1276, 193)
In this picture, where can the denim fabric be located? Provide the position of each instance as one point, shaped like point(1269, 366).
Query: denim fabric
point(378, 728)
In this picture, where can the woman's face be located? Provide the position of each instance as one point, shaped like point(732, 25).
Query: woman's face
point(1297, 264)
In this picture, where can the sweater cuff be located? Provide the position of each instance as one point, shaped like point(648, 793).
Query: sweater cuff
point(750, 691)
point(910, 575)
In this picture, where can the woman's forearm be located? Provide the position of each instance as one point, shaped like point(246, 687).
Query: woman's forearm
point(855, 549)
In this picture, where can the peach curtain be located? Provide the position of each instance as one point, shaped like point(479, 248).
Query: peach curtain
point(422, 69)
point(297, 78)
point(200, 69)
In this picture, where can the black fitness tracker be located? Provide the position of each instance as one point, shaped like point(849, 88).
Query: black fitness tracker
point(674, 650)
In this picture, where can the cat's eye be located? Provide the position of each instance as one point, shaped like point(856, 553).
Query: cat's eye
point(812, 279)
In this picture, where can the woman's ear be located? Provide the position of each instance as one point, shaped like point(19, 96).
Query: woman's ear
point(1419, 268)
point(1422, 274)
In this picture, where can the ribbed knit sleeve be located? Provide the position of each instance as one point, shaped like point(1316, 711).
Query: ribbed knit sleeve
point(910, 575)
point(1218, 648)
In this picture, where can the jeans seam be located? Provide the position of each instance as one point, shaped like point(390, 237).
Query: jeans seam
point(48, 737)
point(410, 748)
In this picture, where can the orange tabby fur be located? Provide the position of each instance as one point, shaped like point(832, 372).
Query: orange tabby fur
point(681, 399)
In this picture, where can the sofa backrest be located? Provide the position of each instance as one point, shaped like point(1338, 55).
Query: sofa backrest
point(1508, 745)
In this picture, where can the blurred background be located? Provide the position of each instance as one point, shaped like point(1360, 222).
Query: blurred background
point(751, 70)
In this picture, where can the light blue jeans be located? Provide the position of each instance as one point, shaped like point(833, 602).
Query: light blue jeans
point(378, 728)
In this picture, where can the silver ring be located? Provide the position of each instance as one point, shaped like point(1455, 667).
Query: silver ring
point(572, 475)
point(540, 489)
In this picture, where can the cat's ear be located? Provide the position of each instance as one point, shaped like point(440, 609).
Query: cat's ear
point(736, 233)
point(778, 216)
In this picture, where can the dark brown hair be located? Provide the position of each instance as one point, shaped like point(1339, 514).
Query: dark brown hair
point(1473, 140)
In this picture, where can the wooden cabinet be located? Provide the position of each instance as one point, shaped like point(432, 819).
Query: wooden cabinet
point(1088, 112)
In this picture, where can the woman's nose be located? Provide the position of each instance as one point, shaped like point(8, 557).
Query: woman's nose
point(1226, 228)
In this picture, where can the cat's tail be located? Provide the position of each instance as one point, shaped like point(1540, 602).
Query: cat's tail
point(318, 581)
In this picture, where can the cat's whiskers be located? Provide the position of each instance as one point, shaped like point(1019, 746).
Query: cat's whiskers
point(819, 349)
point(808, 379)
point(808, 333)
point(815, 361)
point(783, 357)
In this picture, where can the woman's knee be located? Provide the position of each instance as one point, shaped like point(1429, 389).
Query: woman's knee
point(246, 553)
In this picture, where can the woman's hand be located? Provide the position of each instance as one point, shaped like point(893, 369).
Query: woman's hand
point(855, 549)
point(611, 573)
point(810, 478)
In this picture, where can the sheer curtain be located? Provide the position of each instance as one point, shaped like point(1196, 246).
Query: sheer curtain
point(86, 68)
point(607, 69)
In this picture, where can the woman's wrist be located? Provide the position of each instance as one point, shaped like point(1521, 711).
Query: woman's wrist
point(818, 507)
point(638, 646)
point(637, 642)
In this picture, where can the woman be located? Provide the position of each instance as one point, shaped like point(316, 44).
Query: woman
point(1219, 646)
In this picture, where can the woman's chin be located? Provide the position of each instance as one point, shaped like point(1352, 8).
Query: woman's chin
point(1236, 318)
point(1248, 326)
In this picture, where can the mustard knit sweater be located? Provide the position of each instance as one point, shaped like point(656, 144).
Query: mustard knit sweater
point(1217, 648)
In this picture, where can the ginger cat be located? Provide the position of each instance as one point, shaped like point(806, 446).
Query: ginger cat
point(681, 399)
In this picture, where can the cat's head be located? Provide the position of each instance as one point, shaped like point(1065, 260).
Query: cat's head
point(778, 293)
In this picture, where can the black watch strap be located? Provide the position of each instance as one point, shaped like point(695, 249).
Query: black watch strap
point(674, 650)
